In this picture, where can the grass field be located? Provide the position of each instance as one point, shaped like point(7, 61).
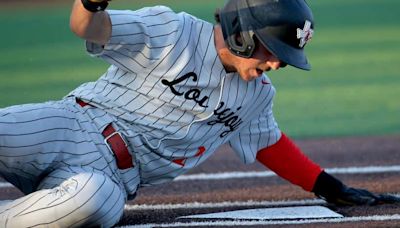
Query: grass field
point(353, 88)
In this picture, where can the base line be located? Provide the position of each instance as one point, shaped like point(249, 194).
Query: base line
point(5, 185)
point(280, 222)
point(198, 205)
point(234, 175)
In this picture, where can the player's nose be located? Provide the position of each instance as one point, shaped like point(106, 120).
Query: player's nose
point(276, 64)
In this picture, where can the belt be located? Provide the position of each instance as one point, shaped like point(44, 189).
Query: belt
point(115, 143)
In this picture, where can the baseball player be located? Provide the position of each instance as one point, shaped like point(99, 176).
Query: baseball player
point(177, 88)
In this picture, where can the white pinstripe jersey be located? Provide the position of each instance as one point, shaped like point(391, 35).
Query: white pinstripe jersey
point(172, 97)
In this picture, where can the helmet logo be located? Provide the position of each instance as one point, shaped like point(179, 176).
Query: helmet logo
point(305, 34)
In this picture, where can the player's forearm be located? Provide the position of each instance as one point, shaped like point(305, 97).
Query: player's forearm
point(288, 161)
point(94, 27)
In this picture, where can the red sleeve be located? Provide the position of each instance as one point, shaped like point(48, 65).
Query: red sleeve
point(289, 162)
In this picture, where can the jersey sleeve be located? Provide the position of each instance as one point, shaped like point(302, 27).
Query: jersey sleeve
point(259, 133)
point(138, 37)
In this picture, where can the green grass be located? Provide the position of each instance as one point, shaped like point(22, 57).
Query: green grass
point(353, 88)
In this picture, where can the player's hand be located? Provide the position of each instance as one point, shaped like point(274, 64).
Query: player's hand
point(334, 191)
point(355, 196)
point(95, 5)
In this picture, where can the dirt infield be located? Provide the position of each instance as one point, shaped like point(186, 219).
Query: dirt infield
point(339, 152)
point(164, 204)
point(330, 153)
point(175, 197)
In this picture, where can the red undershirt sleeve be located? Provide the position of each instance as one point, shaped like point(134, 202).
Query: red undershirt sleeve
point(289, 162)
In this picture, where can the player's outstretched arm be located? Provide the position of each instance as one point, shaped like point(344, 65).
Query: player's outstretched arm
point(334, 191)
point(89, 21)
point(289, 162)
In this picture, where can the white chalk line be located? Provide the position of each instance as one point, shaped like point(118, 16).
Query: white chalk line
point(250, 174)
point(225, 204)
point(269, 222)
point(234, 175)
point(5, 185)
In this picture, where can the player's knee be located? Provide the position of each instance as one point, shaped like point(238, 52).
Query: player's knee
point(82, 200)
point(99, 201)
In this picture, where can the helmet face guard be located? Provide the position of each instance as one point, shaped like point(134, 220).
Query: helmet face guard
point(283, 27)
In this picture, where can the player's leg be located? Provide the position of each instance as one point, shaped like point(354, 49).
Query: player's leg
point(26, 135)
point(35, 139)
point(86, 199)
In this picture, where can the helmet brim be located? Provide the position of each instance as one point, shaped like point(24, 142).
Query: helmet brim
point(284, 52)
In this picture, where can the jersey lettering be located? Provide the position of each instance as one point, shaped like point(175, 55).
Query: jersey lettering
point(228, 119)
point(191, 94)
point(224, 115)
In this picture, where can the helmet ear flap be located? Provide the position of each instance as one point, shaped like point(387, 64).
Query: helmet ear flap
point(242, 43)
point(239, 40)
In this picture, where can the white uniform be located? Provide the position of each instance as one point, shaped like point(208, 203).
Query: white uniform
point(54, 153)
point(167, 93)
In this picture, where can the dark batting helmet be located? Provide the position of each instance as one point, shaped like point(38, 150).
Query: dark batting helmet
point(282, 26)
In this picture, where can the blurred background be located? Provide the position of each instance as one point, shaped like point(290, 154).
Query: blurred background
point(352, 89)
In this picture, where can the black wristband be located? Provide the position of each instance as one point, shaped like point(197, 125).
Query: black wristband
point(94, 6)
point(328, 187)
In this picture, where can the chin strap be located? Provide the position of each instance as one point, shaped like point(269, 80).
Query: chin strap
point(289, 162)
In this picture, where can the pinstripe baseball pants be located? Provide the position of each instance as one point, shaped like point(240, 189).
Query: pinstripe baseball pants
point(55, 154)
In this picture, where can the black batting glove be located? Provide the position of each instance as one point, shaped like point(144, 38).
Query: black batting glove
point(334, 191)
point(95, 5)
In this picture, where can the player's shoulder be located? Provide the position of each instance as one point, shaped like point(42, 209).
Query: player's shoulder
point(267, 85)
point(148, 12)
point(163, 13)
point(154, 11)
point(158, 9)
point(265, 80)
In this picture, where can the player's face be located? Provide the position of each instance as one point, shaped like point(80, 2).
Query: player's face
point(248, 68)
point(253, 67)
